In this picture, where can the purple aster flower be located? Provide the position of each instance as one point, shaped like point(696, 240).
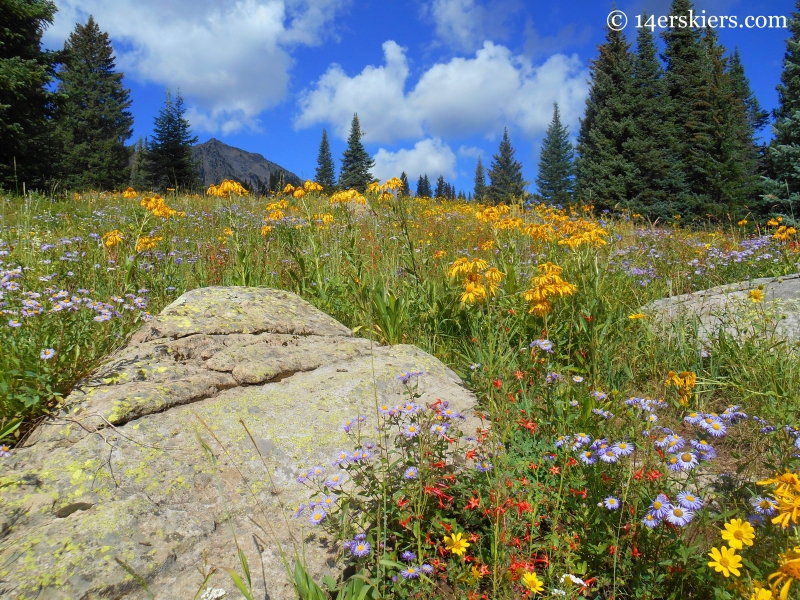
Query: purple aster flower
point(577, 379)
point(14, 324)
point(561, 440)
point(411, 431)
point(408, 556)
point(679, 516)
point(652, 418)
point(410, 572)
point(693, 418)
point(304, 476)
point(611, 503)
point(599, 396)
point(317, 516)
point(580, 440)
point(385, 409)
point(334, 480)
point(674, 444)
point(599, 444)
point(360, 548)
point(484, 466)
point(327, 502)
point(687, 460)
point(47, 354)
point(317, 471)
point(342, 456)
point(411, 473)
point(426, 568)
point(764, 506)
point(300, 510)
point(554, 377)
point(410, 408)
point(449, 413)
point(690, 501)
point(609, 456)
point(660, 506)
point(588, 457)
point(348, 425)
point(651, 521)
point(545, 345)
point(622, 448)
point(439, 429)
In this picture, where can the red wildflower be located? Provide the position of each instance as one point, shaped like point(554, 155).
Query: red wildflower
point(520, 375)
point(474, 537)
point(582, 493)
point(497, 383)
point(404, 523)
point(402, 502)
point(473, 503)
point(555, 470)
point(447, 528)
point(635, 552)
point(527, 424)
point(572, 462)
point(471, 454)
point(612, 550)
point(606, 478)
point(638, 474)
point(654, 475)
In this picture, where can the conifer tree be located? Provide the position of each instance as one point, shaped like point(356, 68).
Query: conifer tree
point(326, 170)
point(170, 162)
point(604, 170)
point(140, 179)
point(783, 185)
point(26, 105)
point(757, 118)
point(721, 165)
point(424, 187)
point(658, 185)
point(93, 120)
point(441, 188)
point(555, 180)
point(404, 190)
point(505, 174)
point(480, 190)
point(356, 162)
point(687, 69)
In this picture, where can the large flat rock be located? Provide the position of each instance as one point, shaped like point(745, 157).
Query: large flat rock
point(729, 308)
point(120, 471)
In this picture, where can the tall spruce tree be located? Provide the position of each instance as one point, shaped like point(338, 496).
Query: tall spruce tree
point(326, 170)
point(783, 185)
point(26, 105)
point(441, 188)
point(404, 190)
point(757, 117)
point(658, 183)
point(604, 170)
point(687, 72)
point(480, 190)
point(424, 187)
point(721, 165)
point(140, 178)
point(505, 174)
point(93, 120)
point(356, 162)
point(170, 162)
point(556, 178)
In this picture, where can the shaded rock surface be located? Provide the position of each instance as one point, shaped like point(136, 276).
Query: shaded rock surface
point(120, 472)
point(729, 307)
point(217, 161)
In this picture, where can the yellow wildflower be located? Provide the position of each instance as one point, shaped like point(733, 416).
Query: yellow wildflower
point(788, 571)
point(112, 238)
point(756, 296)
point(637, 316)
point(265, 229)
point(532, 582)
point(147, 243)
point(742, 223)
point(456, 543)
point(299, 193)
point(487, 245)
point(761, 593)
point(439, 254)
point(725, 561)
point(227, 231)
point(129, 193)
point(738, 532)
point(288, 189)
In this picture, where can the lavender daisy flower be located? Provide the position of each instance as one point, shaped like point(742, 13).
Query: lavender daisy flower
point(410, 408)
point(342, 456)
point(317, 516)
point(304, 476)
point(439, 429)
point(426, 568)
point(675, 443)
point(686, 461)
point(475, 366)
point(679, 516)
point(690, 501)
point(348, 425)
point(47, 354)
point(715, 429)
point(385, 409)
point(660, 506)
point(599, 444)
point(408, 556)
point(484, 466)
point(410, 572)
point(449, 413)
point(609, 456)
point(360, 548)
point(411, 431)
point(300, 510)
point(334, 480)
point(622, 448)
point(577, 379)
point(411, 473)
point(317, 471)
point(581, 439)
point(651, 521)
point(652, 418)
point(611, 503)
point(545, 345)
point(693, 418)
point(588, 457)
point(755, 520)
point(327, 502)
point(764, 506)
point(561, 440)
point(599, 396)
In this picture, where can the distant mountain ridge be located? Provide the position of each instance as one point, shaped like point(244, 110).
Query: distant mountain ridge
point(217, 161)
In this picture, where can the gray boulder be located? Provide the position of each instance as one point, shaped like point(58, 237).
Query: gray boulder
point(120, 473)
point(730, 308)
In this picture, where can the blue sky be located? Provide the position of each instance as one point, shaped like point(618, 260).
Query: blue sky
point(433, 81)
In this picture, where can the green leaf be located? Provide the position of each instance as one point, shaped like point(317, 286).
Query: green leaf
point(237, 581)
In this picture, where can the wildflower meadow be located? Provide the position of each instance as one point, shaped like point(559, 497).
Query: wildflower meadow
point(614, 454)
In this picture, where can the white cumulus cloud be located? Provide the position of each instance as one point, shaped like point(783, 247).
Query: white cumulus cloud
point(429, 156)
point(461, 97)
point(464, 25)
point(230, 58)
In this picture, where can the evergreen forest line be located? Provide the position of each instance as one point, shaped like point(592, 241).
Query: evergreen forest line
point(664, 135)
